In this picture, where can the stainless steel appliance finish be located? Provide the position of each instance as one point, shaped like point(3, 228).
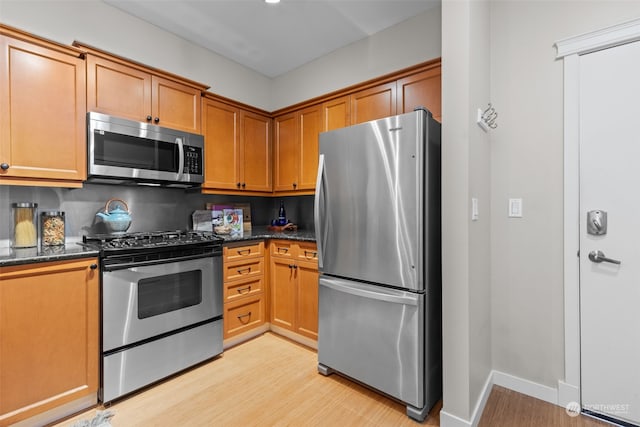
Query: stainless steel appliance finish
point(377, 213)
point(121, 150)
point(161, 306)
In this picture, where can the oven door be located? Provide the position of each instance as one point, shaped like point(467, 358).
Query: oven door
point(145, 302)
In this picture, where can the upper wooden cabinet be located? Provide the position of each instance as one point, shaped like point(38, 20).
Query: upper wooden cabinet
point(123, 88)
point(336, 113)
point(237, 148)
point(42, 112)
point(296, 150)
point(421, 90)
point(373, 103)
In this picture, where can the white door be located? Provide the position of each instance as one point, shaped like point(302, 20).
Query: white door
point(610, 182)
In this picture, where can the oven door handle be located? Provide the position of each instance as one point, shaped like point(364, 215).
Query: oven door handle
point(124, 265)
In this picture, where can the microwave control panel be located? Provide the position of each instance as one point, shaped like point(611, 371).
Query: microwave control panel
point(192, 160)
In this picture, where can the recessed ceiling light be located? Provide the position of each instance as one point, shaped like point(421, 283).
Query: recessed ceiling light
point(272, 1)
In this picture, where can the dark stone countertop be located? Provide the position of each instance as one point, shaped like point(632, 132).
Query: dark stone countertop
point(263, 233)
point(10, 256)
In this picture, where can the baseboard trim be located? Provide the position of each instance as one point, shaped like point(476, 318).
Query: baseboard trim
point(520, 385)
point(539, 391)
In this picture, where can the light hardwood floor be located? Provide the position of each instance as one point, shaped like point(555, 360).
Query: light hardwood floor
point(268, 381)
point(272, 381)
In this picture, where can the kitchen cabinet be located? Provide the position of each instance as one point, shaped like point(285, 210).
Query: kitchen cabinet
point(296, 150)
point(336, 113)
point(134, 91)
point(294, 287)
point(237, 148)
point(421, 90)
point(243, 290)
point(42, 111)
point(373, 103)
point(49, 326)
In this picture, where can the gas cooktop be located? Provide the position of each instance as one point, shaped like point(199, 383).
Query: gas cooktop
point(149, 240)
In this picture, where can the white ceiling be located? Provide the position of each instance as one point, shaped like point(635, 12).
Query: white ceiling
point(273, 39)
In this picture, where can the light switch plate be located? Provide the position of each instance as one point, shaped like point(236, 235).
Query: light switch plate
point(474, 209)
point(515, 208)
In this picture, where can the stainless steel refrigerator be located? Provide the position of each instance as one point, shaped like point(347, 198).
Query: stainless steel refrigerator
point(377, 219)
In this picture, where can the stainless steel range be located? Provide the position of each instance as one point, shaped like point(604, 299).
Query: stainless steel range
point(161, 305)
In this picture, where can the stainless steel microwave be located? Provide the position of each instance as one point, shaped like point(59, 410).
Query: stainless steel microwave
point(121, 151)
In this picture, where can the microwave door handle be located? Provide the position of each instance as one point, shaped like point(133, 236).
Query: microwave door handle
point(180, 158)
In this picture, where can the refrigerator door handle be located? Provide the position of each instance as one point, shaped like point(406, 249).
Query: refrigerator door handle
point(317, 208)
point(397, 297)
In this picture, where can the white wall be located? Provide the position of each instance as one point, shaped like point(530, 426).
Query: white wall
point(466, 174)
point(411, 42)
point(103, 26)
point(527, 162)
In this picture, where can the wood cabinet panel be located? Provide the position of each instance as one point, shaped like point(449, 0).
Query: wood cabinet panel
point(176, 105)
point(421, 90)
point(220, 127)
point(373, 103)
point(243, 315)
point(282, 248)
point(283, 293)
point(310, 128)
point(49, 329)
point(42, 111)
point(243, 269)
point(307, 252)
point(307, 304)
point(286, 148)
point(336, 113)
point(238, 289)
point(248, 250)
point(255, 152)
point(108, 81)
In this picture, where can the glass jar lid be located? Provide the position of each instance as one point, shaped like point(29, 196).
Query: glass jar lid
point(52, 213)
point(24, 205)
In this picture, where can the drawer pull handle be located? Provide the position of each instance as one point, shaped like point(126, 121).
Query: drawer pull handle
point(283, 250)
point(247, 288)
point(244, 251)
point(313, 254)
point(248, 270)
point(241, 316)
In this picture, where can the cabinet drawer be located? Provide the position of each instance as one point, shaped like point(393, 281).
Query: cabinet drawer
point(243, 315)
point(307, 252)
point(282, 248)
point(242, 288)
point(241, 270)
point(251, 250)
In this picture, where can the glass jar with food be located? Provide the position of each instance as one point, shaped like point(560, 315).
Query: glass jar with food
point(24, 226)
point(52, 228)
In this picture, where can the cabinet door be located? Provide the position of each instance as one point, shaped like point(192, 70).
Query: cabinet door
point(42, 114)
point(113, 88)
point(307, 306)
point(222, 145)
point(283, 293)
point(255, 154)
point(175, 105)
point(310, 128)
point(421, 90)
point(373, 103)
point(286, 149)
point(336, 113)
point(48, 336)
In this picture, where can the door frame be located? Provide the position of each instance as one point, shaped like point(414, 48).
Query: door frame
point(569, 50)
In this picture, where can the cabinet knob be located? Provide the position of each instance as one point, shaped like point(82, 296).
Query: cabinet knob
point(4, 166)
point(238, 184)
point(244, 185)
point(295, 185)
point(93, 266)
point(149, 118)
point(156, 120)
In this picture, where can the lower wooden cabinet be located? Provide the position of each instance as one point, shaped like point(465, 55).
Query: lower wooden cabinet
point(49, 326)
point(244, 283)
point(294, 287)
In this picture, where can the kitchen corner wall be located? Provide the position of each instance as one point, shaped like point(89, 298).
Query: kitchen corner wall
point(151, 208)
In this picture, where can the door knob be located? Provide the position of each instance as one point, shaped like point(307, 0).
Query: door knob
point(598, 257)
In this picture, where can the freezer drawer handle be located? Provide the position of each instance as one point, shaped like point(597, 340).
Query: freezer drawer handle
point(387, 297)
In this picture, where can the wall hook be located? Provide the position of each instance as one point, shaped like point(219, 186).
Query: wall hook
point(487, 118)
